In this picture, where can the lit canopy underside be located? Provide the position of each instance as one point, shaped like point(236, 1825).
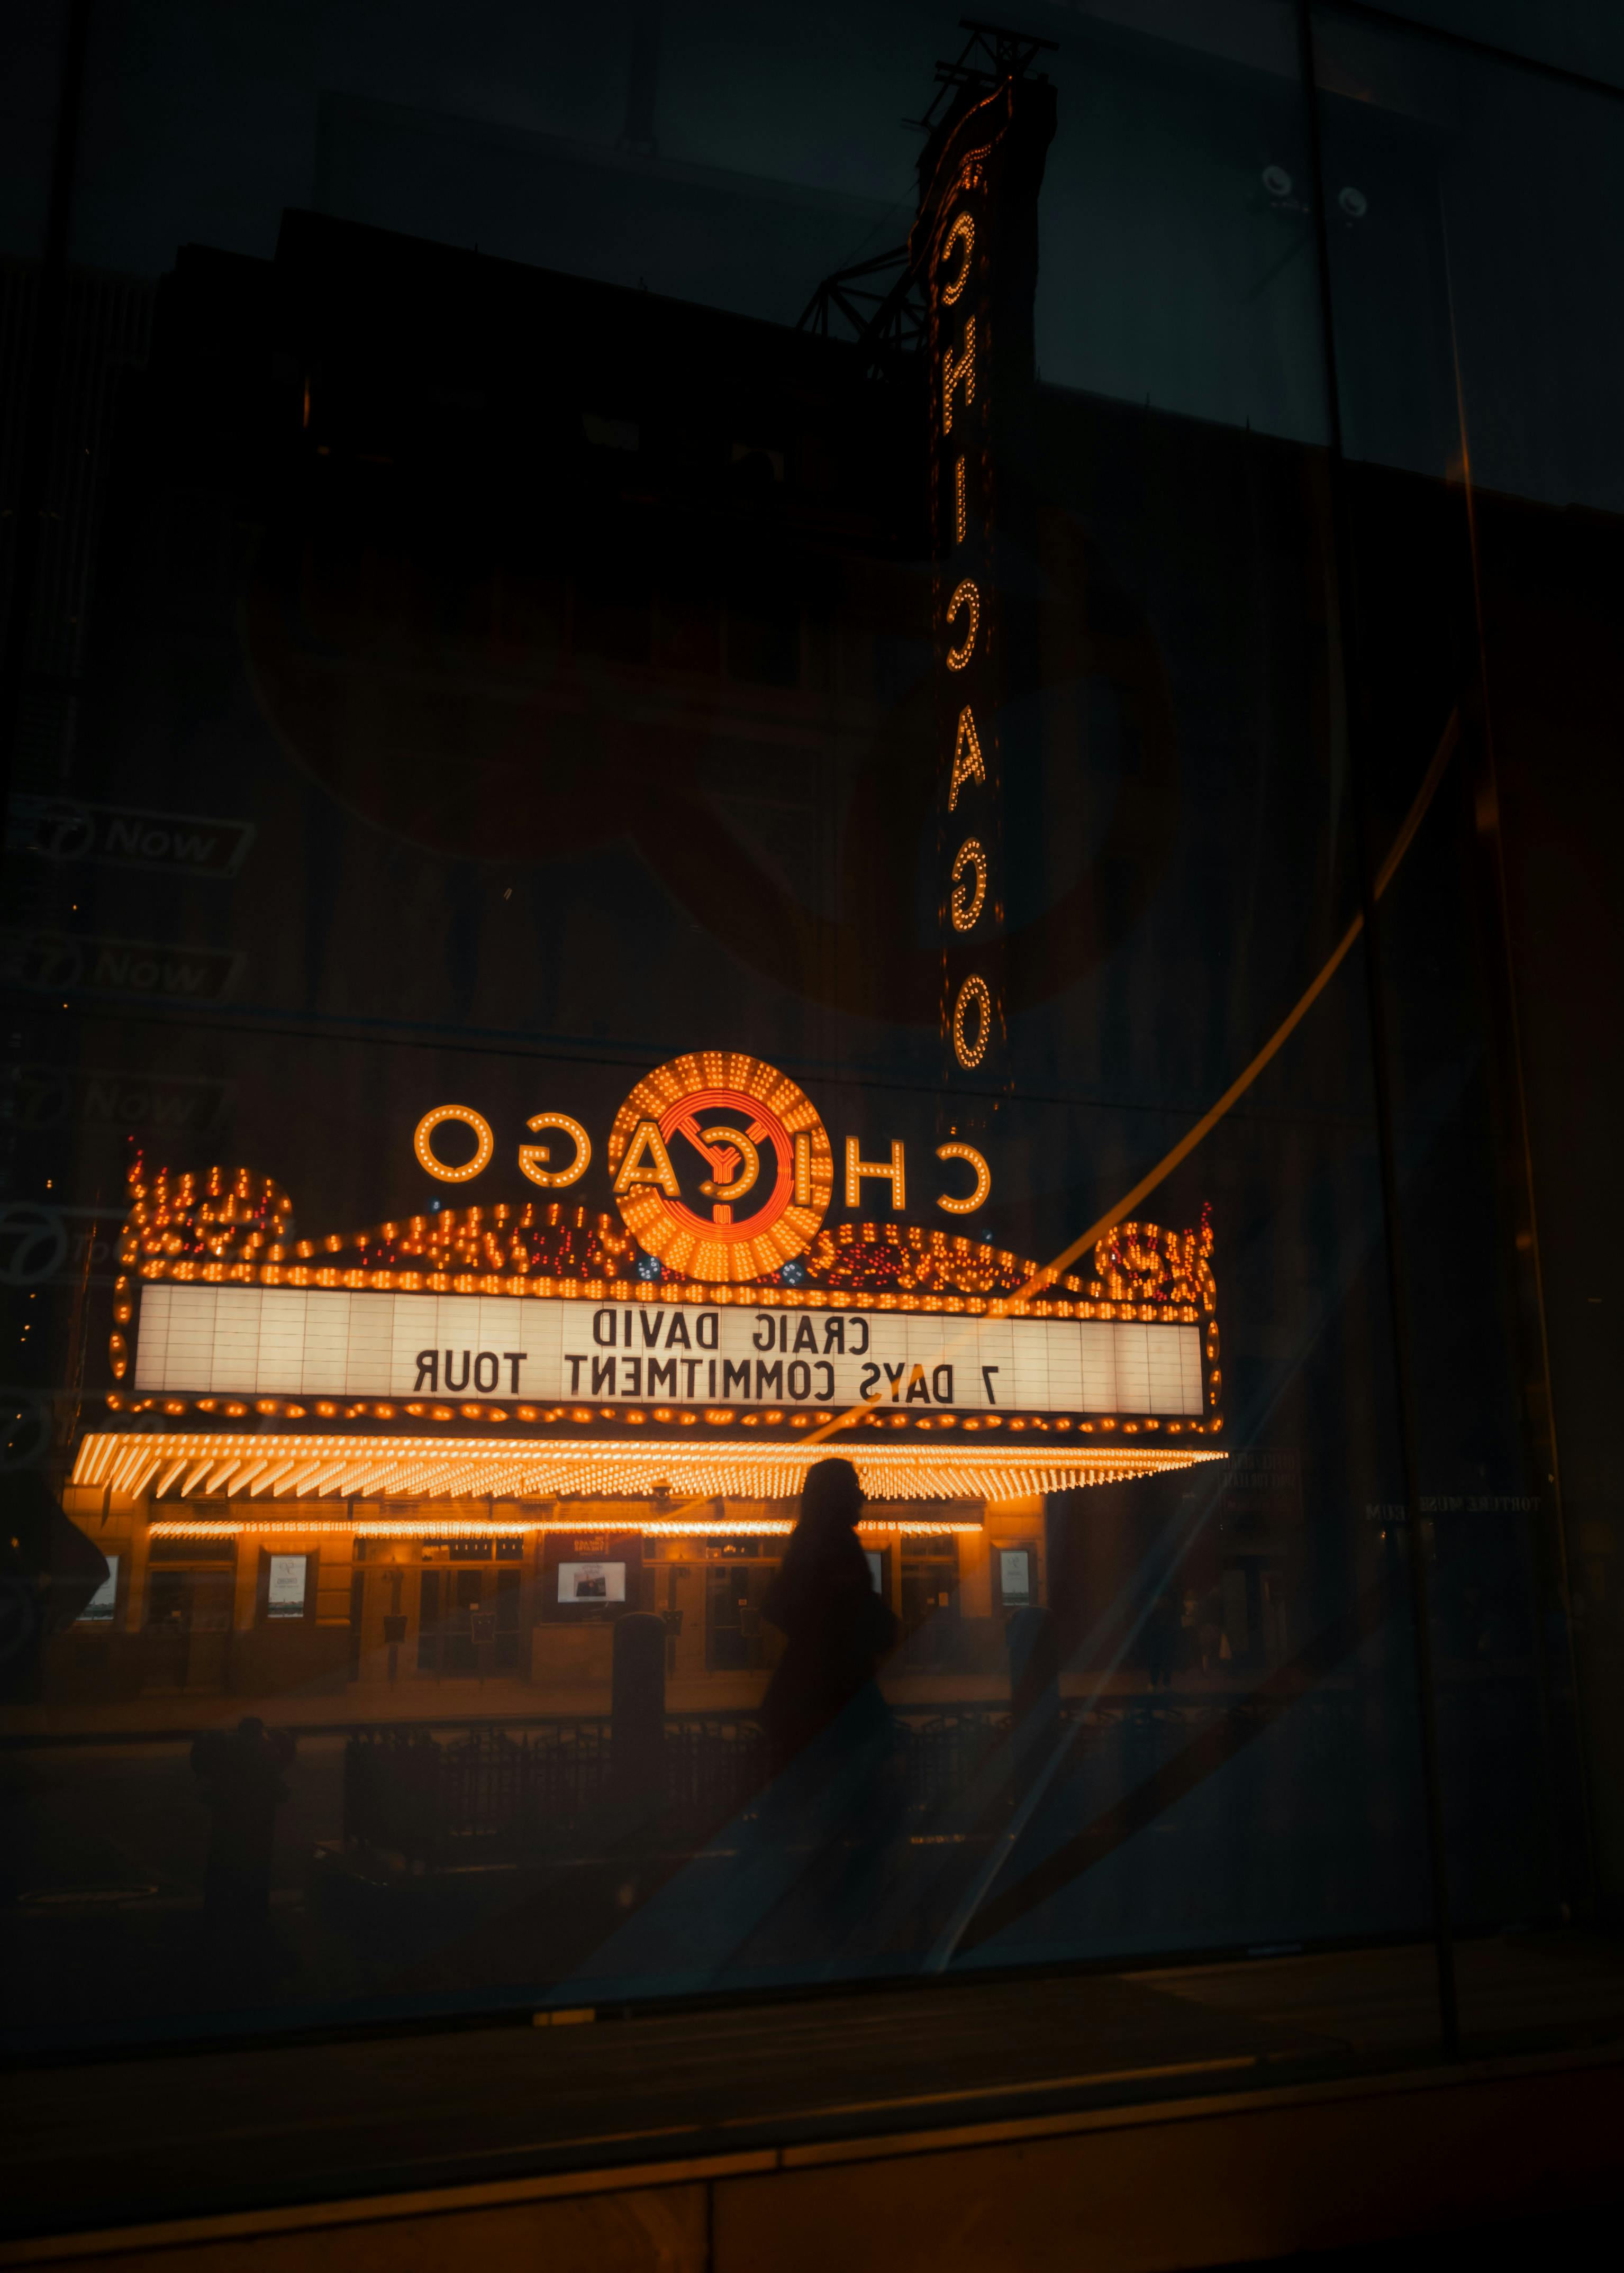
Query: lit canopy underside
point(270, 1470)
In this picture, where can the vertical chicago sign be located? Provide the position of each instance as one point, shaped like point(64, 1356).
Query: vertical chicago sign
point(975, 249)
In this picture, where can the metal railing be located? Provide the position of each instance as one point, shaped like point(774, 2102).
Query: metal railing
point(549, 1787)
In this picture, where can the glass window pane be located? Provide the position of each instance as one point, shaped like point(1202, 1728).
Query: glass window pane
point(705, 786)
point(1465, 201)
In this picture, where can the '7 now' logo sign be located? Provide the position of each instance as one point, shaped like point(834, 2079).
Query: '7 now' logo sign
point(164, 1104)
point(56, 964)
point(61, 829)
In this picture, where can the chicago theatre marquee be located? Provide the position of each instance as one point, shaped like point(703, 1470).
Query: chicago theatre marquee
point(468, 1441)
point(503, 1424)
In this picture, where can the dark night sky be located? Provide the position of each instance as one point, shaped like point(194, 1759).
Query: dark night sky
point(1170, 274)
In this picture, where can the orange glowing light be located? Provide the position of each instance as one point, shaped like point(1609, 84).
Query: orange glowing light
point(533, 1158)
point(966, 601)
point(973, 995)
point(485, 1142)
point(983, 1179)
point(968, 893)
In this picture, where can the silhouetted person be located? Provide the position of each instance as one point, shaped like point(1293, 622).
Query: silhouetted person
point(241, 1777)
point(836, 1626)
point(837, 1801)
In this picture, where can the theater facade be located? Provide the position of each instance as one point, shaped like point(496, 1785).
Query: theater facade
point(459, 1446)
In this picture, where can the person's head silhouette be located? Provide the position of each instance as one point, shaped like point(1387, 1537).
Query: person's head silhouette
point(831, 1501)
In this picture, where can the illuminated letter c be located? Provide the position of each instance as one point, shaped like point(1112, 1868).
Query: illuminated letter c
point(983, 1179)
point(962, 232)
point(964, 598)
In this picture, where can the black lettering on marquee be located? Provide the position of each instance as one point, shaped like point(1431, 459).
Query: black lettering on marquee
point(943, 1396)
point(648, 1376)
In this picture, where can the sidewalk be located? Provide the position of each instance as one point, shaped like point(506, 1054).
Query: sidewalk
point(458, 1703)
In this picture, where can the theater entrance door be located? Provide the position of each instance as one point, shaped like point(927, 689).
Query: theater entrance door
point(187, 1639)
point(460, 1610)
point(737, 1639)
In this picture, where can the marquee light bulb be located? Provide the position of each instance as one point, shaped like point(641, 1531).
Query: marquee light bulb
point(384, 1468)
point(485, 1140)
point(962, 232)
point(967, 898)
point(967, 601)
point(973, 995)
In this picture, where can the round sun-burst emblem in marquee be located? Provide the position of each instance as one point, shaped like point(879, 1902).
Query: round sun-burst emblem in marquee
point(721, 1166)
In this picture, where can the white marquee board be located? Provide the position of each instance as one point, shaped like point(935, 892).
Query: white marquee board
point(271, 1341)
